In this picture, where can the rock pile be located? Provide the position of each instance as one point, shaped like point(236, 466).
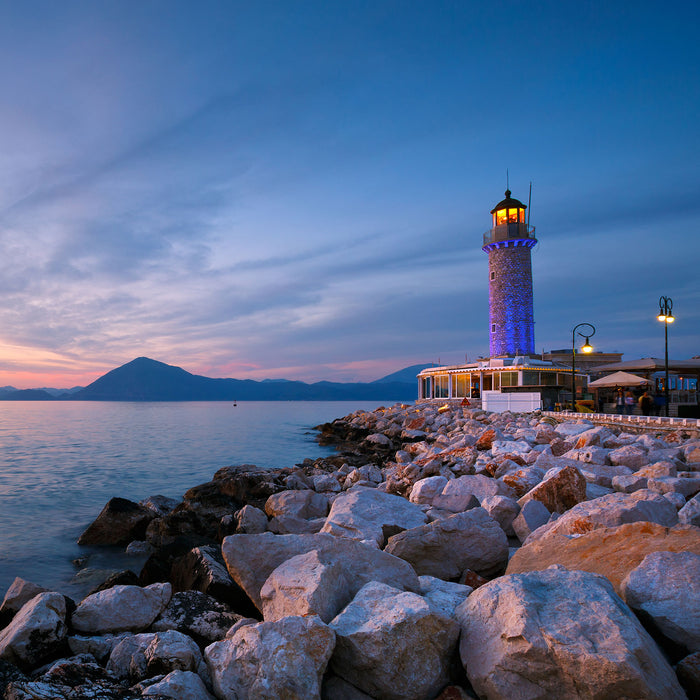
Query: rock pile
point(442, 553)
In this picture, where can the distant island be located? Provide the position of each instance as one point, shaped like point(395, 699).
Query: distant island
point(144, 379)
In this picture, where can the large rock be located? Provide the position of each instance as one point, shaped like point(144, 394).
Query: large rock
point(252, 558)
point(283, 659)
point(609, 511)
point(664, 590)
point(503, 510)
point(612, 552)
point(121, 609)
point(365, 513)
point(19, 593)
point(303, 504)
point(203, 569)
point(197, 615)
point(532, 515)
point(179, 684)
point(443, 597)
point(558, 492)
point(559, 634)
point(425, 490)
point(689, 514)
point(308, 584)
point(118, 523)
point(128, 656)
point(391, 644)
point(632, 456)
point(459, 494)
point(36, 632)
point(446, 547)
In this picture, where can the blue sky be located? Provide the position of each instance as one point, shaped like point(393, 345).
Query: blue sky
point(299, 189)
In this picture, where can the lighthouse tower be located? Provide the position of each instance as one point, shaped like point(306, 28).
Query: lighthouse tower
point(508, 245)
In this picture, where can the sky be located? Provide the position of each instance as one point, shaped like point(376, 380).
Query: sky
point(299, 189)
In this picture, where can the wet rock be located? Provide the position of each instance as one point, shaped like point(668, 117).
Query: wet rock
point(363, 513)
point(121, 609)
point(197, 615)
point(203, 569)
point(282, 659)
point(559, 633)
point(445, 548)
point(118, 523)
point(612, 552)
point(99, 647)
point(664, 591)
point(391, 644)
point(160, 505)
point(118, 578)
point(36, 632)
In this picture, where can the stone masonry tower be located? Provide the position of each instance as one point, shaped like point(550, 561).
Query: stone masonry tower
point(508, 244)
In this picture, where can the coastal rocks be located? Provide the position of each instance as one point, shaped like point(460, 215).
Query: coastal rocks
point(443, 597)
point(611, 510)
point(503, 510)
point(282, 659)
point(304, 504)
point(559, 633)
point(118, 523)
point(252, 558)
point(391, 644)
point(664, 590)
point(197, 615)
point(689, 514)
point(612, 552)
point(179, 684)
point(36, 632)
point(458, 494)
point(532, 516)
point(558, 492)
point(447, 547)
point(365, 514)
point(426, 490)
point(631, 456)
point(19, 593)
point(250, 520)
point(121, 609)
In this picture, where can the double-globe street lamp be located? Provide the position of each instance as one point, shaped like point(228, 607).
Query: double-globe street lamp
point(665, 315)
point(586, 348)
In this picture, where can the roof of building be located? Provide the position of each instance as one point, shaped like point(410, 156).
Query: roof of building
point(508, 203)
point(649, 364)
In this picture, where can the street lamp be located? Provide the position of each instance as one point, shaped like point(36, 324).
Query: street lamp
point(666, 316)
point(586, 348)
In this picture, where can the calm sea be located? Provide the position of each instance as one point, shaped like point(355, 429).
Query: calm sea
point(61, 462)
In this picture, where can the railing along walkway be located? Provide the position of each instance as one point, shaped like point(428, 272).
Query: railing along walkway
point(640, 422)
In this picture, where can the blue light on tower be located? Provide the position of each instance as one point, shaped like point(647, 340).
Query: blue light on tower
point(508, 245)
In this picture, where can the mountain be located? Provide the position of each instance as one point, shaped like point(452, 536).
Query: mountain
point(406, 375)
point(144, 379)
point(26, 395)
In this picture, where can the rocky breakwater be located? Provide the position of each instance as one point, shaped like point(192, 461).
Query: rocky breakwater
point(442, 553)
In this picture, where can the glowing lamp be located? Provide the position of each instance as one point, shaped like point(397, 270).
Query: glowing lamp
point(587, 347)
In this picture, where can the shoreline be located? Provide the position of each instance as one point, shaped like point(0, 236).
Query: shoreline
point(500, 498)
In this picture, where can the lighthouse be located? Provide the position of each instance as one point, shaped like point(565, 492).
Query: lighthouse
point(508, 244)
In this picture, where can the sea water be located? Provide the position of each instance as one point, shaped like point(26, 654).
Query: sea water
point(60, 462)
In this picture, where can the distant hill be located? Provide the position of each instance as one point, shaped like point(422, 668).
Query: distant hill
point(406, 375)
point(144, 379)
point(26, 395)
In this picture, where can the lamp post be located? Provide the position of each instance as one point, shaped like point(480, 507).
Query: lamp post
point(666, 316)
point(586, 347)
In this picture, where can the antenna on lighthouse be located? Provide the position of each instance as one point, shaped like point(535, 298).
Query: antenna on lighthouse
point(529, 199)
point(507, 181)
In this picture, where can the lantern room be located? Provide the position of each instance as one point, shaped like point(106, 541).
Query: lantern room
point(508, 211)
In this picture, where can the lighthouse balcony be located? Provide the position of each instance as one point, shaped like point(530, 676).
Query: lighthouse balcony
point(510, 232)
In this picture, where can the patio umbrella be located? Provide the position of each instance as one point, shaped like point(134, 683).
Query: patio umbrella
point(618, 379)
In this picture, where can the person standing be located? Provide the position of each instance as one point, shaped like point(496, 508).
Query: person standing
point(620, 402)
point(646, 403)
point(629, 403)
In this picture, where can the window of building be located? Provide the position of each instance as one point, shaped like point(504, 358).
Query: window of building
point(509, 379)
point(531, 378)
point(548, 378)
point(460, 385)
point(493, 275)
point(440, 386)
point(493, 328)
